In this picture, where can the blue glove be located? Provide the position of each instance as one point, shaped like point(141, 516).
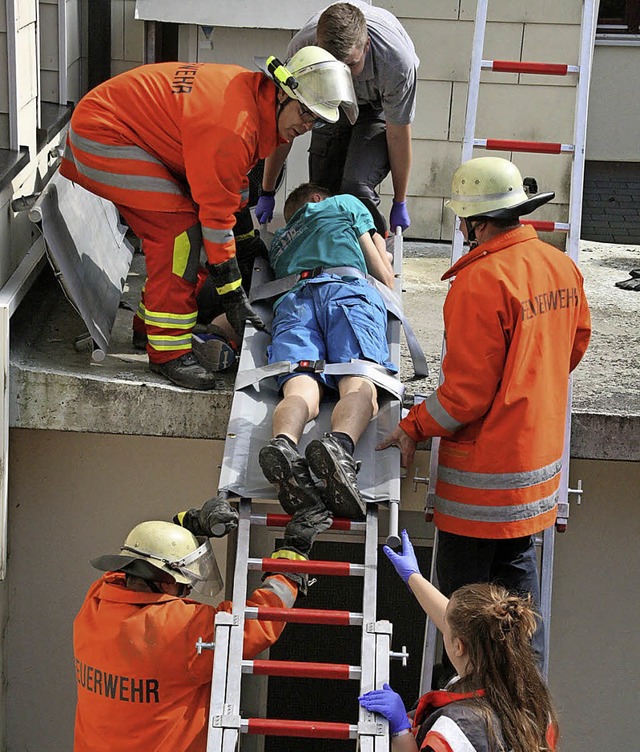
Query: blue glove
point(405, 563)
point(389, 704)
point(264, 208)
point(399, 216)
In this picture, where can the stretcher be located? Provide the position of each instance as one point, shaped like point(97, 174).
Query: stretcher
point(255, 399)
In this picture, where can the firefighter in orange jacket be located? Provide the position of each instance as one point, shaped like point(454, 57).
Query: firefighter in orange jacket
point(171, 145)
point(141, 684)
point(517, 323)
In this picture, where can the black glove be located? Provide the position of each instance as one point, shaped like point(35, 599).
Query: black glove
point(228, 282)
point(304, 527)
point(216, 519)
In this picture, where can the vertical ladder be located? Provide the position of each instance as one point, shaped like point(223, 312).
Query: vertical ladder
point(225, 721)
point(582, 74)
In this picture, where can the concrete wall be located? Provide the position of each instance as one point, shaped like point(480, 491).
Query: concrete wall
point(74, 496)
point(614, 104)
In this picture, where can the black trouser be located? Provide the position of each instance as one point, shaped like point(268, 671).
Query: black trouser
point(510, 562)
point(353, 159)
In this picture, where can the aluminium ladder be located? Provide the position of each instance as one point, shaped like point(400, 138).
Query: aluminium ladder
point(225, 721)
point(582, 74)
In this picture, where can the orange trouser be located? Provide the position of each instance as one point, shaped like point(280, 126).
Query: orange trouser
point(171, 243)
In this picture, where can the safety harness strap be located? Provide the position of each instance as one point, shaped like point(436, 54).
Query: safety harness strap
point(392, 302)
point(372, 371)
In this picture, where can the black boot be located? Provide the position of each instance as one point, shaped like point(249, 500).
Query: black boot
point(185, 371)
point(288, 471)
point(331, 462)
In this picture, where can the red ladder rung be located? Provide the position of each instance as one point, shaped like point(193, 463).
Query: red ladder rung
point(522, 66)
point(302, 669)
point(535, 147)
point(334, 568)
point(545, 226)
point(282, 520)
point(308, 729)
point(304, 615)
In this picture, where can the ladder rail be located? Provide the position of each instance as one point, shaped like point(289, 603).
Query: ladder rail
point(572, 244)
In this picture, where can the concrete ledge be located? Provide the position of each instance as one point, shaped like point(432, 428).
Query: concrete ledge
point(54, 387)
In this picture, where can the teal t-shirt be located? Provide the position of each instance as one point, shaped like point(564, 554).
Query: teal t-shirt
point(323, 234)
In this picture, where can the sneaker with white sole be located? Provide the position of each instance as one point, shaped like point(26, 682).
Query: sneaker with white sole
point(283, 466)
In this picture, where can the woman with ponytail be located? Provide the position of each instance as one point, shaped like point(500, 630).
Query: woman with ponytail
point(498, 702)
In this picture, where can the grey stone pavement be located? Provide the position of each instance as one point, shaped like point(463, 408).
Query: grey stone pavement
point(52, 386)
point(611, 202)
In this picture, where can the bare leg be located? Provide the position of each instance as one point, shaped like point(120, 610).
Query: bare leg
point(280, 461)
point(299, 405)
point(357, 405)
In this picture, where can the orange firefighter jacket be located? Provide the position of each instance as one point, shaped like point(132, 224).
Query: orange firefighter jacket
point(167, 136)
point(516, 323)
point(141, 684)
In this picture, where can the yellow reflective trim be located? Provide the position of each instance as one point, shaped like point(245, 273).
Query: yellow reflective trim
point(181, 250)
point(246, 236)
point(229, 287)
point(180, 517)
point(286, 554)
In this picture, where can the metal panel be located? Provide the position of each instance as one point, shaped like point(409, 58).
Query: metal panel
point(269, 14)
point(88, 251)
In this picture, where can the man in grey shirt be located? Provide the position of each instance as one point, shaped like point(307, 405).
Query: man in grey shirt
point(355, 158)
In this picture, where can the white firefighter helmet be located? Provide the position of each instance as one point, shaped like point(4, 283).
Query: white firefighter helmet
point(164, 552)
point(315, 78)
point(491, 187)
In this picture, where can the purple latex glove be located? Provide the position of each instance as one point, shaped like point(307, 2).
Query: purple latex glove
point(389, 704)
point(264, 209)
point(399, 216)
point(405, 563)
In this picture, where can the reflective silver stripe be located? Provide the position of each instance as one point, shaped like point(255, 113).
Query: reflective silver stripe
point(111, 151)
point(510, 513)
point(439, 414)
point(216, 236)
point(129, 182)
point(169, 341)
point(483, 197)
point(281, 590)
point(168, 320)
point(499, 481)
point(244, 194)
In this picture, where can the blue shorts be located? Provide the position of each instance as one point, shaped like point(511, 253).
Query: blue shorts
point(331, 320)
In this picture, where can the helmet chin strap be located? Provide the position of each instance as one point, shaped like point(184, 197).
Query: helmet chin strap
point(471, 232)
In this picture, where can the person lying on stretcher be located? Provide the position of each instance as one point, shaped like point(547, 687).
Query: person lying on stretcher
point(334, 317)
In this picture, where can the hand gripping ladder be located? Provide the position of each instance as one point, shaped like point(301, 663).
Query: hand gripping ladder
point(582, 74)
point(225, 721)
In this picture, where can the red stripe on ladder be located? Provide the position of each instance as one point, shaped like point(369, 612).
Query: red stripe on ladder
point(538, 147)
point(520, 66)
point(307, 615)
point(335, 568)
point(282, 520)
point(310, 729)
point(544, 226)
point(306, 669)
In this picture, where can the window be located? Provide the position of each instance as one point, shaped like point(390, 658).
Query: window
point(619, 16)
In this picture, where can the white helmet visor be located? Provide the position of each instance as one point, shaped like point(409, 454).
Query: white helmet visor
point(325, 87)
point(201, 569)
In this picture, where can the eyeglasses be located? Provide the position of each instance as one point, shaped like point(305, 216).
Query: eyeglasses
point(306, 115)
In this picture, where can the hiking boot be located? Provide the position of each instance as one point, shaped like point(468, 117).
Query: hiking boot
point(185, 371)
point(139, 340)
point(212, 350)
point(331, 462)
point(283, 466)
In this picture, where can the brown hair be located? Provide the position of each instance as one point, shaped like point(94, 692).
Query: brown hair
point(300, 196)
point(496, 629)
point(341, 27)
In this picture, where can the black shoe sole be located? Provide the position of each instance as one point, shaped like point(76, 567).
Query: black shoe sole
point(277, 470)
point(186, 383)
point(340, 496)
